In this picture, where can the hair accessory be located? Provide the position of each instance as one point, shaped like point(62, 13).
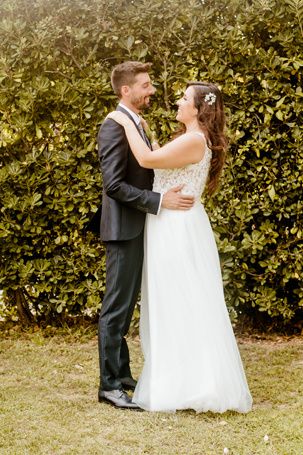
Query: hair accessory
point(210, 98)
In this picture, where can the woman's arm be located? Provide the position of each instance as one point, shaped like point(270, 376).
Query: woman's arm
point(186, 149)
point(113, 150)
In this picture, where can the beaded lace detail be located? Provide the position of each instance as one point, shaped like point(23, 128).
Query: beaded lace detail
point(193, 177)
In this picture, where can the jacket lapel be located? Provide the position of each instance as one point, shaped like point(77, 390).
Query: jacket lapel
point(120, 108)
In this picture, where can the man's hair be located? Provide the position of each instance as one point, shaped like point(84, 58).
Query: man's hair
point(125, 74)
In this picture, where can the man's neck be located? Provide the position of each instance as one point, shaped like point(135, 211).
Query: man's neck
point(129, 106)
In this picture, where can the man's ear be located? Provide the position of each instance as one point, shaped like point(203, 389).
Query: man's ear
point(125, 90)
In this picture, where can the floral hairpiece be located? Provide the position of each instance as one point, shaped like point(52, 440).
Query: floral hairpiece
point(210, 98)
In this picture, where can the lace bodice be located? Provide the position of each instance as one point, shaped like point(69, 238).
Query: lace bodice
point(193, 176)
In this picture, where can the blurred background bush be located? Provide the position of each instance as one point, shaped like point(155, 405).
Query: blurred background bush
point(55, 62)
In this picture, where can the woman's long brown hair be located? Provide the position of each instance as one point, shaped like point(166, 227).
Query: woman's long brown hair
point(212, 122)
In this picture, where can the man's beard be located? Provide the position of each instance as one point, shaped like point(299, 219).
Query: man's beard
point(139, 102)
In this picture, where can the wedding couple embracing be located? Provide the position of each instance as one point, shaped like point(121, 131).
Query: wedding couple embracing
point(158, 238)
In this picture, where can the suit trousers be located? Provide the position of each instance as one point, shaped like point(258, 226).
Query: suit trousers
point(124, 261)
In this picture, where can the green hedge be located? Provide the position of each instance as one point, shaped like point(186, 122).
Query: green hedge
point(55, 63)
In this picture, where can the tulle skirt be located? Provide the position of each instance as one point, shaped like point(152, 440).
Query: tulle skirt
point(191, 355)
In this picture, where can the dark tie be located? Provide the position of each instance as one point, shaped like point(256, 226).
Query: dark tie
point(142, 132)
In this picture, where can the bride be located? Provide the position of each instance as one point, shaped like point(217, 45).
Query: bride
point(191, 355)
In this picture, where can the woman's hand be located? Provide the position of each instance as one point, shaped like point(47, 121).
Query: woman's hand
point(120, 118)
point(155, 145)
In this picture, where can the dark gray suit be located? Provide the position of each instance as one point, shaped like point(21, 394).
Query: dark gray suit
point(127, 197)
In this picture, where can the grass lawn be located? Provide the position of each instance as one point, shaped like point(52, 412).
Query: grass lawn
point(48, 403)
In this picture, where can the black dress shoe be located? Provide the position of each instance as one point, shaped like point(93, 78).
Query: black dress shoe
point(117, 398)
point(128, 383)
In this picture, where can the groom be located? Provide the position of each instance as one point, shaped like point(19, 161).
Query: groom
point(127, 197)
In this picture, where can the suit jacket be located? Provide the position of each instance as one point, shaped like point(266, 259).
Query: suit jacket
point(127, 195)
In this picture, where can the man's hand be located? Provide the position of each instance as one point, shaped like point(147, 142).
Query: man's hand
point(174, 200)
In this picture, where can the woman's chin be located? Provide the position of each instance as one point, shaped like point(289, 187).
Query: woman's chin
point(179, 117)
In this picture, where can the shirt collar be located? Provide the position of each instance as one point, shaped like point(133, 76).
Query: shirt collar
point(135, 116)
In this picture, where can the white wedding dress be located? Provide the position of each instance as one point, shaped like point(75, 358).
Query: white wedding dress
point(191, 355)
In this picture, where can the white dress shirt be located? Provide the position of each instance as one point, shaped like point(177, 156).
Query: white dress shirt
point(135, 116)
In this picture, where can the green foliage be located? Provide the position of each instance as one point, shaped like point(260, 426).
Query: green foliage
point(55, 64)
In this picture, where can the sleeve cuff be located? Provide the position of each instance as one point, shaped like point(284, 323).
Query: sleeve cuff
point(160, 203)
